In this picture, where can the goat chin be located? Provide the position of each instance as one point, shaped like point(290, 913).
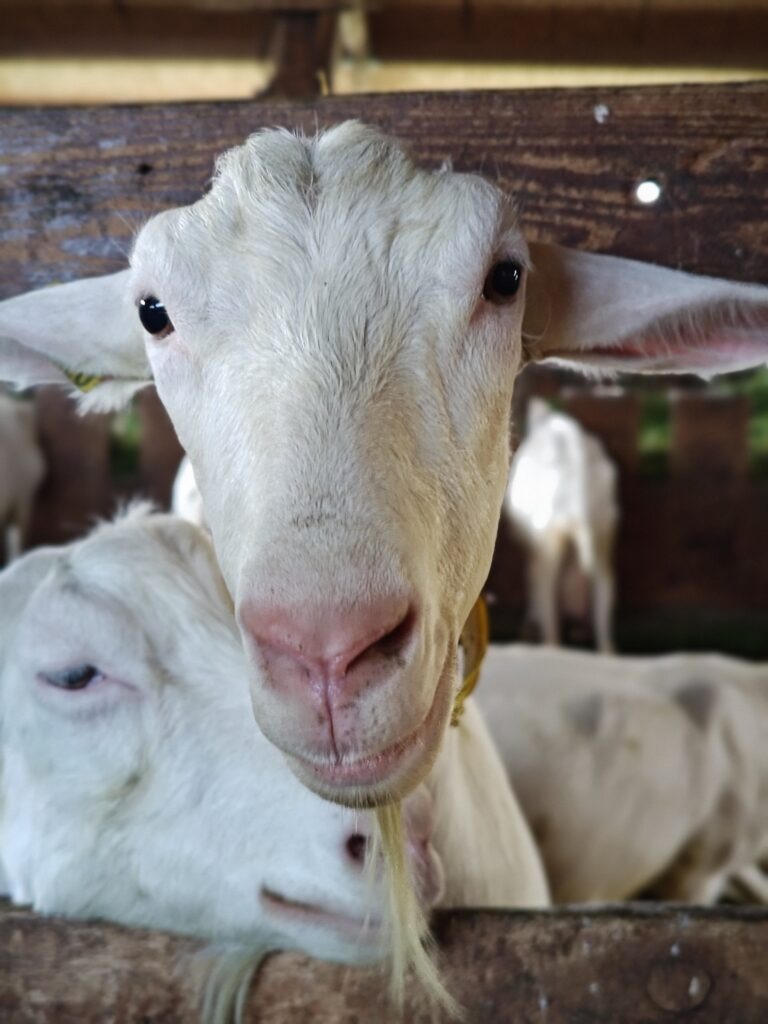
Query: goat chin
point(227, 971)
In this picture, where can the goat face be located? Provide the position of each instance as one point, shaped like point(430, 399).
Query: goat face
point(335, 334)
point(135, 786)
point(342, 384)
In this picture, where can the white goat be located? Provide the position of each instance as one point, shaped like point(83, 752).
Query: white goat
point(22, 468)
point(561, 499)
point(135, 785)
point(186, 501)
point(636, 772)
point(335, 321)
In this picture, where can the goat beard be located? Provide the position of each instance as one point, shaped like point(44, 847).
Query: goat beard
point(411, 947)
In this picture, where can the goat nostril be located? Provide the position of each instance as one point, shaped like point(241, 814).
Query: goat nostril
point(391, 644)
point(357, 848)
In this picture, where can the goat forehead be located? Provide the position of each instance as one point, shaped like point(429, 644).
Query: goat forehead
point(125, 567)
point(287, 215)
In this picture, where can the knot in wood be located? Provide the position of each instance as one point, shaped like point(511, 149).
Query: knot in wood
point(677, 986)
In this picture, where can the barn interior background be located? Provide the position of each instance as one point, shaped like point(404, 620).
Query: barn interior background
point(693, 457)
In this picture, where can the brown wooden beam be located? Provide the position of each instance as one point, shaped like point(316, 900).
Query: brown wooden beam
point(636, 33)
point(79, 30)
point(77, 182)
point(637, 964)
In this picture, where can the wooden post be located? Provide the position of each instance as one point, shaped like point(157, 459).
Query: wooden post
point(302, 45)
point(76, 490)
point(160, 451)
point(709, 436)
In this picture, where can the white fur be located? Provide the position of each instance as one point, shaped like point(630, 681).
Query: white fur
point(561, 499)
point(635, 772)
point(150, 797)
point(332, 342)
point(22, 468)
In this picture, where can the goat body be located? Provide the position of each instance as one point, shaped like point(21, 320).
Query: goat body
point(634, 773)
point(135, 785)
point(561, 498)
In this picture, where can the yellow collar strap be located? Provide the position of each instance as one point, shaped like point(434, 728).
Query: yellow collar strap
point(84, 382)
point(474, 641)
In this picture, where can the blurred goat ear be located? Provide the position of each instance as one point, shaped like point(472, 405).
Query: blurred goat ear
point(85, 335)
point(607, 313)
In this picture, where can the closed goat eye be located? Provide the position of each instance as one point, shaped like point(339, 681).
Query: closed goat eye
point(154, 317)
point(76, 677)
point(503, 282)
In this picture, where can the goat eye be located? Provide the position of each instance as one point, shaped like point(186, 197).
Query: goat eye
point(154, 318)
point(75, 678)
point(503, 282)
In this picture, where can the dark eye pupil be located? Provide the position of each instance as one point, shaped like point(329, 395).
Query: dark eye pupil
point(75, 678)
point(503, 281)
point(153, 315)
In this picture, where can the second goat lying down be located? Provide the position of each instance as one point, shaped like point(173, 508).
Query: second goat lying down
point(135, 785)
point(636, 773)
point(561, 499)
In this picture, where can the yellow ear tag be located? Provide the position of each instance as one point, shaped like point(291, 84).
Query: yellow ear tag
point(84, 381)
point(474, 641)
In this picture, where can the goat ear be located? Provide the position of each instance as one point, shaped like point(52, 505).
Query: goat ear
point(85, 335)
point(611, 314)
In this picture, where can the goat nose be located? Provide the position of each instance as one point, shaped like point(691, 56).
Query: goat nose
point(342, 648)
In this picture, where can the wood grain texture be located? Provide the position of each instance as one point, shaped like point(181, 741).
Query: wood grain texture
point(628, 965)
point(222, 6)
point(636, 32)
point(76, 183)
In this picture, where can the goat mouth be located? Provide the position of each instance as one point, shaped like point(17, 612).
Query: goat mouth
point(358, 929)
point(378, 778)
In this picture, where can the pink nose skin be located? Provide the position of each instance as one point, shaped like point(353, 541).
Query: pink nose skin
point(326, 656)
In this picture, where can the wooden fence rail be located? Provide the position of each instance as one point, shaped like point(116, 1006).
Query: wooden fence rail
point(633, 964)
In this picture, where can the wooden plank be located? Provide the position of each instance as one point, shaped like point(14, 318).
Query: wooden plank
point(578, 5)
point(709, 436)
point(76, 183)
point(586, 33)
point(112, 31)
point(634, 965)
point(223, 6)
